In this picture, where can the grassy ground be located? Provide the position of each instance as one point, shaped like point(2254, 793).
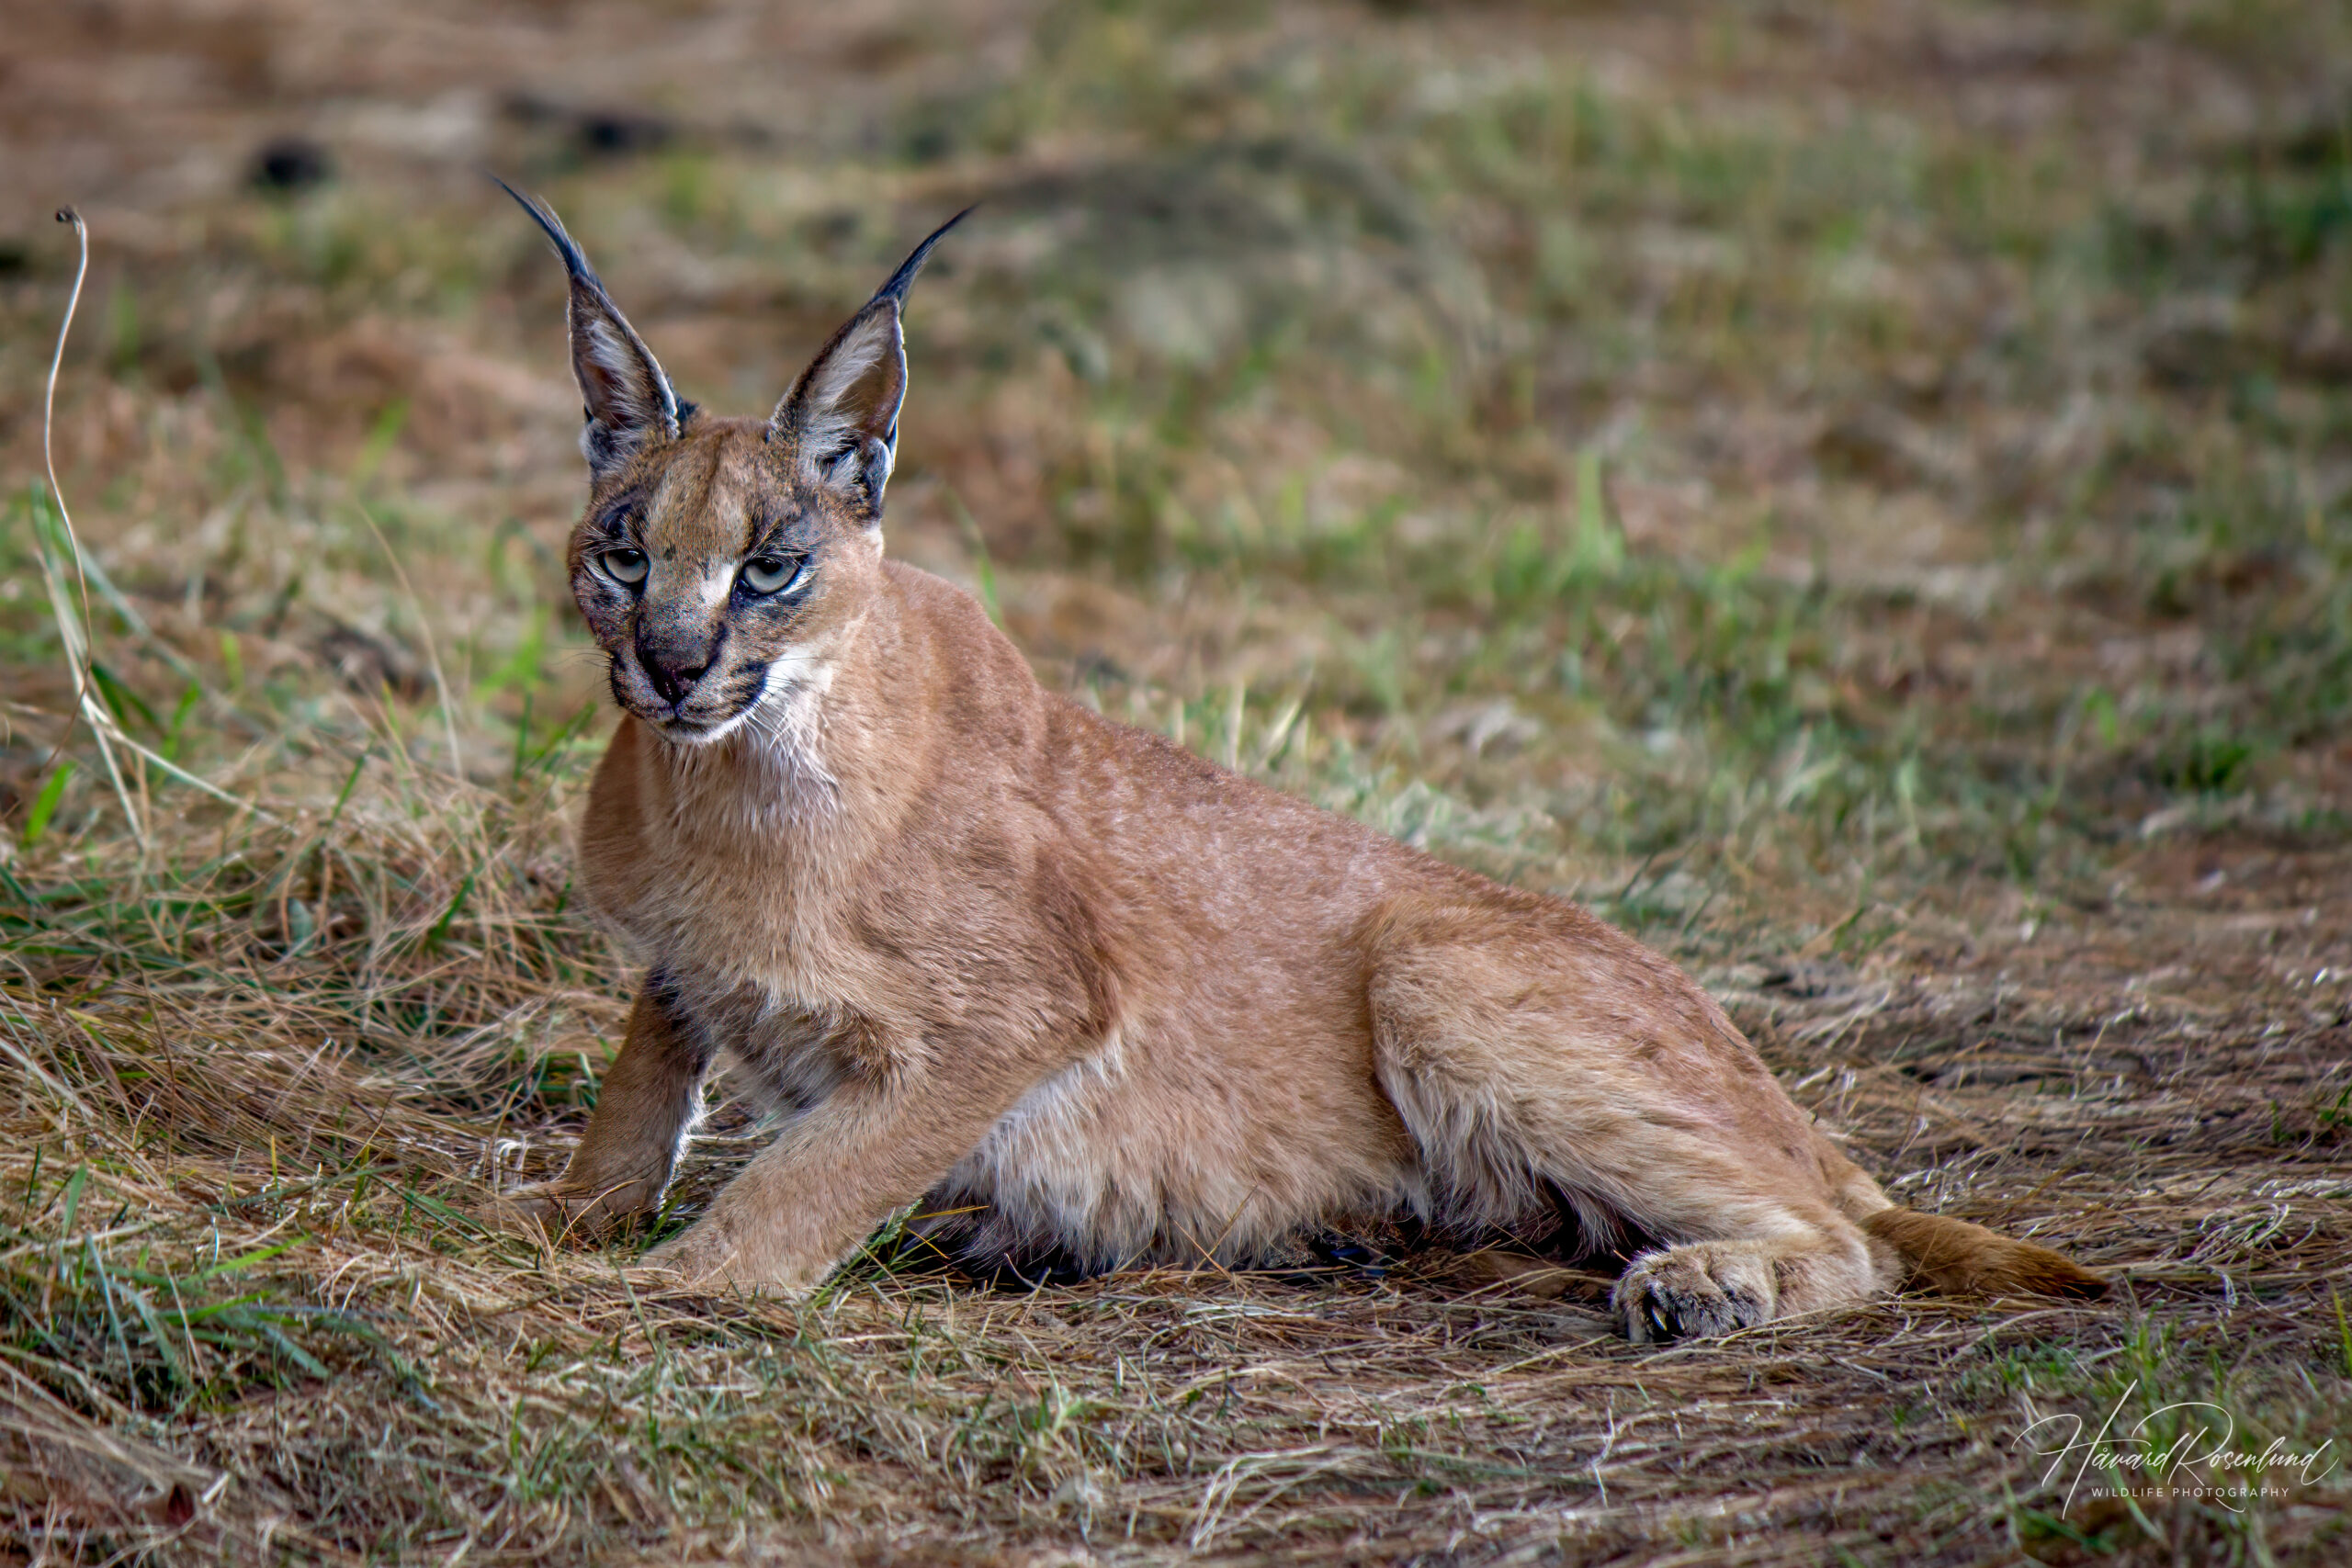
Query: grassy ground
point(1861, 495)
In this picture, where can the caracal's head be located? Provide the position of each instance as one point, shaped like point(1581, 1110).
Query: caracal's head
point(721, 562)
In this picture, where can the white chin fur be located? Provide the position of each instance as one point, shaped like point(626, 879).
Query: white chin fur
point(783, 730)
point(712, 736)
point(787, 720)
point(785, 711)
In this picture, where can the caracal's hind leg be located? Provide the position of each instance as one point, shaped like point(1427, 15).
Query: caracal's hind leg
point(1526, 1046)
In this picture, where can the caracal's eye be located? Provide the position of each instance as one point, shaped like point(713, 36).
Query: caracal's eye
point(769, 574)
point(623, 567)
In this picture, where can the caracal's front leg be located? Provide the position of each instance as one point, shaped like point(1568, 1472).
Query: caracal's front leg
point(644, 1108)
point(877, 1143)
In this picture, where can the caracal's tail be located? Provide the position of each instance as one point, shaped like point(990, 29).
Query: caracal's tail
point(1955, 1259)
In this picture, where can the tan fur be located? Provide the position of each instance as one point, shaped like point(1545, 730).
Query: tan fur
point(1084, 992)
point(1957, 1258)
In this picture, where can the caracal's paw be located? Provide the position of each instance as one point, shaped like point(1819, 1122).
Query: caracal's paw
point(704, 1259)
point(708, 1258)
point(560, 1211)
point(1697, 1292)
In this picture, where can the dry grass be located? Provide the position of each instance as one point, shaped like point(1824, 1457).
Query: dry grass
point(1859, 495)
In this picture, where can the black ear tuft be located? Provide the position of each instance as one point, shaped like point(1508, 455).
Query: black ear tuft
point(841, 417)
point(904, 278)
point(628, 399)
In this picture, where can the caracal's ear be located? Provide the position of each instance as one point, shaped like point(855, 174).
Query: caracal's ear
point(628, 400)
point(840, 421)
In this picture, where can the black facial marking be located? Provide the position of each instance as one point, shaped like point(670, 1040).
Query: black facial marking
point(749, 683)
point(617, 520)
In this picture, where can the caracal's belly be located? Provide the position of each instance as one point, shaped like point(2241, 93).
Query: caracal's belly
point(1158, 1148)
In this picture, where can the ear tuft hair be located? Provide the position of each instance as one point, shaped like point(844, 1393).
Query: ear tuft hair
point(904, 278)
point(628, 400)
point(840, 420)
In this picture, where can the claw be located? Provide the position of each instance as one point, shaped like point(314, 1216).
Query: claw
point(1695, 1292)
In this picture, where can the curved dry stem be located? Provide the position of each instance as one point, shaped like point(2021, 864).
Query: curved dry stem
point(76, 637)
